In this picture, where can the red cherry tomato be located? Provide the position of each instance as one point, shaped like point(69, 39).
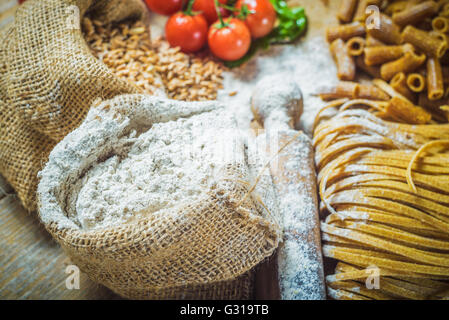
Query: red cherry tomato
point(207, 7)
point(230, 42)
point(189, 32)
point(261, 22)
point(165, 7)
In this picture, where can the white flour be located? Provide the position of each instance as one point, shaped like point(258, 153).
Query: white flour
point(172, 163)
point(309, 63)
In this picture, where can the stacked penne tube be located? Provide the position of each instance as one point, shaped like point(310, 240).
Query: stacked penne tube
point(403, 42)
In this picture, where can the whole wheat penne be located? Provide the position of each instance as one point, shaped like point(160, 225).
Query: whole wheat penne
point(371, 92)
point(380, 55)
point(415, 13)
point(416, 82)
point(343, 89)
point(408, 112)
point(346, 68)
point(396, 7)
point(440, 24)
point(371, 70)
point(353, 90)
point(345, 32)
point(424, 41)
point(407, 63)
point(440, 36)
point(356, 46)
point(347, 9)
point(435, 85)
point(399, 83)
point(373, 42)
point(387, 31)
point(360, 13)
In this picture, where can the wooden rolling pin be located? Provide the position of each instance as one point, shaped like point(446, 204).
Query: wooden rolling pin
point(277, 105)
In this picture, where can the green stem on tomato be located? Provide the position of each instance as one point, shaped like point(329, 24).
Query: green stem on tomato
point(222, 23)
point(188, 10)
point(228, 7)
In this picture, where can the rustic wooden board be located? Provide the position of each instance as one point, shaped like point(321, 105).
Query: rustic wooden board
point(32, 264)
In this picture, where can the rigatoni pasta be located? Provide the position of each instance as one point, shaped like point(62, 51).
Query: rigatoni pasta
point(424, 41)
point(440, 24)
point(373, 42)
point(360, 13)
point(408, 47)
point(435, 85)
point(399, 83)
point(356, 46)
point(373, 71)
point(387, 31)
point(343, 89)
point(383, 54)
point(353, 90)
point(440, 36)
point(347, 10)
point(416, 82)
point(371, 92)
point(346, 68)
point(408, 63)
point(415, 13)
point(346, 31)
point(408, 112)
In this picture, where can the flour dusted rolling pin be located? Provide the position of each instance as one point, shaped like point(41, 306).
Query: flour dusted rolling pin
point(277, 104)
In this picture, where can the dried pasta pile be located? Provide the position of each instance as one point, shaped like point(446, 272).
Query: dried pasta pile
point(383, 158)
point(374, 217)
point(406, 44)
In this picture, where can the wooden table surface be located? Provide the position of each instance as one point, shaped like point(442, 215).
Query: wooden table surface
point(32, 264)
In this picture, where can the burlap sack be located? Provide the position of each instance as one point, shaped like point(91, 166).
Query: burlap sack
point(203, 249)
point(48, 81)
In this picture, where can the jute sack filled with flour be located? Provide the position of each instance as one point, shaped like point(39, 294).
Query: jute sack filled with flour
point(48, 80)
point(153, 198)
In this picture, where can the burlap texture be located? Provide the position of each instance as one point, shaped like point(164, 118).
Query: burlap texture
point(48, 81)
point(205, 249)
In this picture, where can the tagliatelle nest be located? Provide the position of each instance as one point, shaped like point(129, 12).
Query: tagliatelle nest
point(384, 189)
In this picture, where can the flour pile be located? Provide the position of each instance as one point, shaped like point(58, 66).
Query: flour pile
point(170, 164)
